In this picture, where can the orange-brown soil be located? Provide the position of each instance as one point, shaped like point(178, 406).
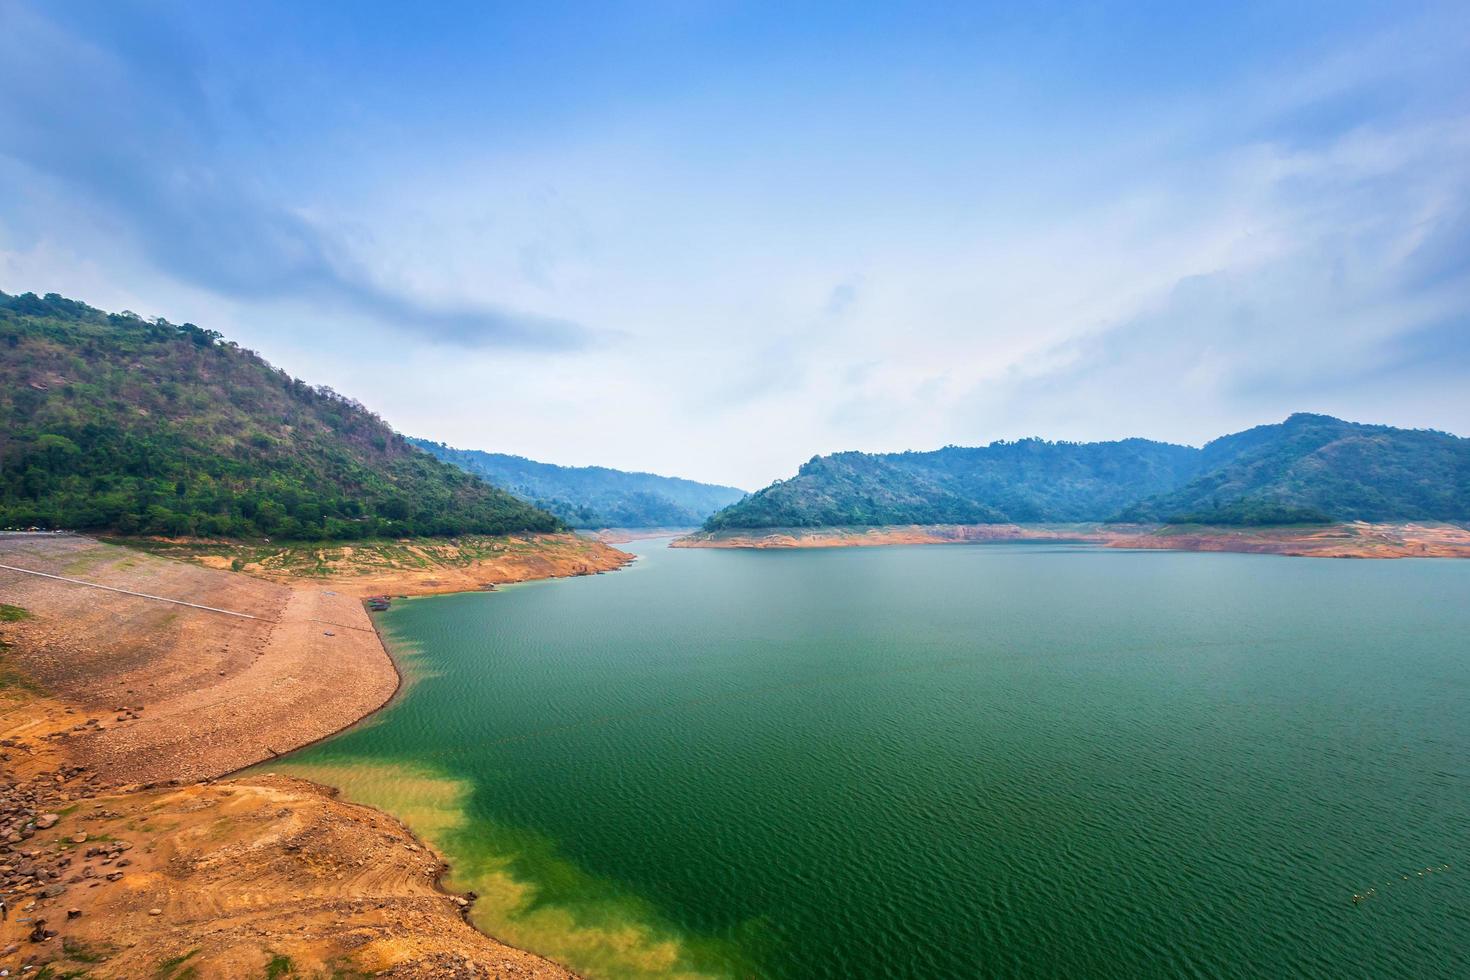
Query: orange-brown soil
point(114, 707)
point(164, 691)
point(1354, 540)
point(224, 879)
point(416, 566)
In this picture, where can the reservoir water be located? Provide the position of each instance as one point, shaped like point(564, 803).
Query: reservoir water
point(945, 761)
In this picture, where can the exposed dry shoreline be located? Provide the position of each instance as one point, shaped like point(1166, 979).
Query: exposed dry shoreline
point(1353, 540)
point(416, 566)
point(119, 712)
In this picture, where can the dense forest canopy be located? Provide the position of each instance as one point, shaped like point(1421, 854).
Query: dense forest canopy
point(1308, 469)
point(1318, 468)
point(112, 422)
point(1028, 480)
point(593, 496)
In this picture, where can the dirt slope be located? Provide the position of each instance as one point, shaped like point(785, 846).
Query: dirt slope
point(114, 707)
point(414, 566)
point(226, 879)
point(177, 692)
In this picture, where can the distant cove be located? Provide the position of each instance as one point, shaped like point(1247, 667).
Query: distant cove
point(995, 759)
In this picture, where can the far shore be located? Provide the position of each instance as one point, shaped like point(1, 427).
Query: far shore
point(625, 535)
point(1347, 540)
point(135, 689)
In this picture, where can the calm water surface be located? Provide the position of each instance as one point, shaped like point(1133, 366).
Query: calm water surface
point(952, 761)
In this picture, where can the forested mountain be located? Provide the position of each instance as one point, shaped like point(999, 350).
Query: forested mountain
point(593, 496)
point(110, 422)
point(1308, 469)
point(1028, 480)
point(1315, 467)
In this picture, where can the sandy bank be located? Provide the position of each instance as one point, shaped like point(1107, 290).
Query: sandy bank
point(1353, 540)
point(104, 691)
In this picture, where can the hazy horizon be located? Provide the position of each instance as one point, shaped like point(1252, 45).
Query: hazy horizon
point(712, 241)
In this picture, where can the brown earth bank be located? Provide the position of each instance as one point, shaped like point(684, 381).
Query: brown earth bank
point(410, 566)
point(163, 690)
point(1349, 540)
point(117, 712)
point(263, 877)
point(1354, 540)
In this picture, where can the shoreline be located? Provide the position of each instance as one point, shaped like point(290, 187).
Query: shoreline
point(405, 566)
point(627, 535)
point(1346, 540)
point(400, 687)
point(397, 791)
point(161, 762)
point(336, 792)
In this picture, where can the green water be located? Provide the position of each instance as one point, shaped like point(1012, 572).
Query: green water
point(993, 760)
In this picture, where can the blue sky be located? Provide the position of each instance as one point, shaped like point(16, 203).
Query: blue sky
point(714, 239)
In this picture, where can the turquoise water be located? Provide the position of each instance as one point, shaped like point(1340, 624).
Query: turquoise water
point(991, 760)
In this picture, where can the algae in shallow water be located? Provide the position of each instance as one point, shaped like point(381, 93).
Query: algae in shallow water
point(603, 931)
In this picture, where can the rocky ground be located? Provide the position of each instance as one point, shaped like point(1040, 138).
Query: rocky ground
point(121, 852)
point(256, 877)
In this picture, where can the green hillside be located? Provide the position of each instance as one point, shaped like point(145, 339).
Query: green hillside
point(593, 496)
point(1308, 469)
point(1028, 480)
point(1318, 468)
point(110, 422)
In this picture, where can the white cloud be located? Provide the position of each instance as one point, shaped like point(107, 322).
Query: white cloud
point(1206, 262)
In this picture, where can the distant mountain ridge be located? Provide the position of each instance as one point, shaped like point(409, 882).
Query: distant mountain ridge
point(593, 496)
point(1028, 480)
point(110, 422)
point(1307, 469)
point(1317, 466)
